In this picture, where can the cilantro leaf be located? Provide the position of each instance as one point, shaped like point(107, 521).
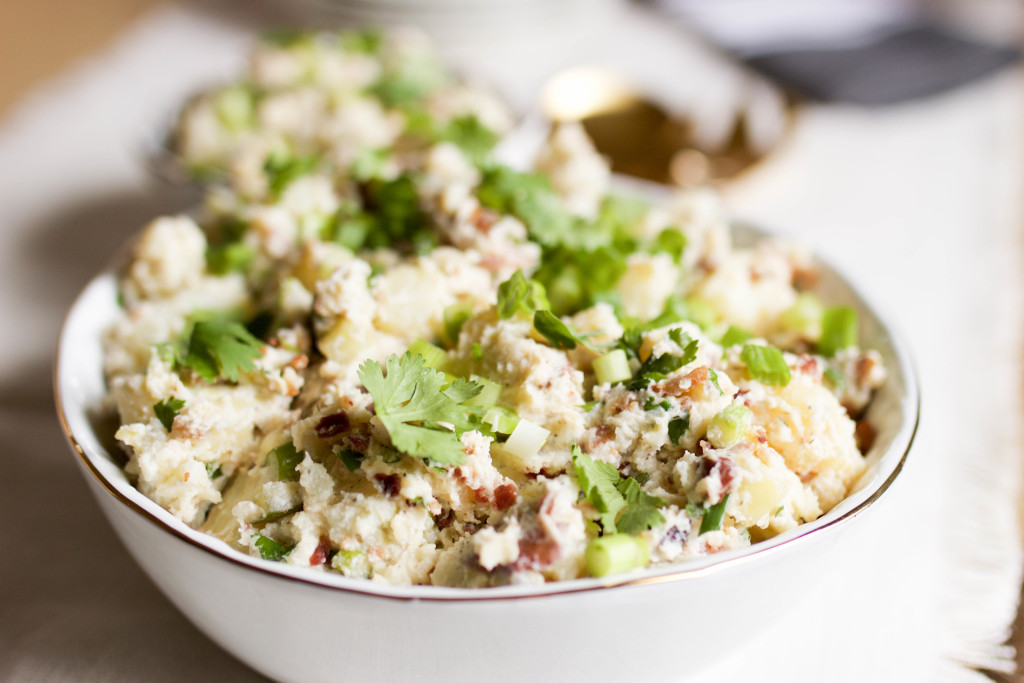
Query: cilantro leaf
point(217, 347)
point(651, 404)
point(766, 364)
point(528, 197)
point(641, 511)
point(656, 368)
point(622, 503)
point(470, 135)
point(599, 481)
point(167, 409)
point(678, 426)
point(555, 331)
point(271, 549)
point(411, 402)
point(517, 294)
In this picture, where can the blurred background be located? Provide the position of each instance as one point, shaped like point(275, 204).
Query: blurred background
point(887, 133)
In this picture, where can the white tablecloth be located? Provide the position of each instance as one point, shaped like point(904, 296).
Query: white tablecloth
point(920, 204)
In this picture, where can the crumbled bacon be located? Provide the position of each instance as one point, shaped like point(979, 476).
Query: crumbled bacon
point(505, 496)
point(809, 365)
point(536, 550)
point(331, 425)
point(483, 219)
point(390, 484)
point(321, 553)
point(805, 277)
point(444, 519)
point(604, 434)
point(687, 384)
point(862, 370)
point(299, 362)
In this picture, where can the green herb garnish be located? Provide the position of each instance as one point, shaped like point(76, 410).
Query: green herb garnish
point(411, 402)
point(621, 502)
point(217, 348)
point(285, 458)
point(713, 515)
point(271, 549)
point(678, 426)
point(167, 409)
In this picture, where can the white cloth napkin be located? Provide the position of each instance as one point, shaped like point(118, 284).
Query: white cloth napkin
point(918, 204)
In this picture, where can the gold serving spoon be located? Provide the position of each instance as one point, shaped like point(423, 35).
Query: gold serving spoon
point(640, 138)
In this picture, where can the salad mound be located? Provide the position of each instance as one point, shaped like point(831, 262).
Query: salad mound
point(395, 358)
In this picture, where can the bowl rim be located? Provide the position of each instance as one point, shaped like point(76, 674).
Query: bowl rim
point(134, 500)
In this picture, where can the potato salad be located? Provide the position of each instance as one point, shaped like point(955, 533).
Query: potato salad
point(377, 351)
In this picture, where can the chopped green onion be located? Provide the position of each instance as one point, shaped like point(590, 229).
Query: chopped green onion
point(488, 396)
point(700, 311)
point(271, 549)
point(213, 471)
point(433, 356)
point(804, 315)
point(835, 377)
point(712, 520)
point(286, 458)
point(352, 563)
point(713, 376)
point(838, 330)
point(733, 336)
point(730, 425)
point(455, 316)
point(526, 440)
point(612, 367)
point(501, 420)
point(766, 364)
point(233, 257)
point(235, 107)
point(615, 554)
point(350, 459)
point(477, 351)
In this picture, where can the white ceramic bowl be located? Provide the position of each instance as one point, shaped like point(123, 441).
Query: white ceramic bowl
point(296, 624)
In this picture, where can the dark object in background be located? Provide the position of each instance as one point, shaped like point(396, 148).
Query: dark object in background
point(914, 62)
point(865, 53)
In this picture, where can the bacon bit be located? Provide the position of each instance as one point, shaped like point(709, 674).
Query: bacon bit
point(865, 364)
point(536, 550)
point(319, 555)
point(809, 365)
point(483, 219)
point(358, 442)
point(760, 435)
point(187, 475)
point(692, 383)
point(331, 425)
point(390, 484)
point(299, 362)
point(805, 277)
point(505, 496)
point(726, 470)
point(604, 434)
point(347, 402)
point(444, 520)
point(864, 435)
